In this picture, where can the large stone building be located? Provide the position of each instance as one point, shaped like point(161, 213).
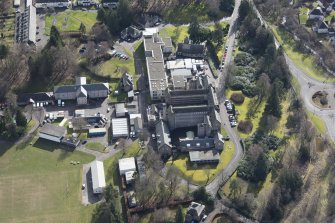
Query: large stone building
point(81, 91)
point(155, 47)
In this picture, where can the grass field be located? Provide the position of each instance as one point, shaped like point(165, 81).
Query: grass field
point(318, 122)
point(303, 15)
point(303, 61)
point(177, 33)
point(70, 20)
point(115, 67)
point(203, 174)
point(38, 184)
point(243, 110)
point(95, 146)
point(7, 29)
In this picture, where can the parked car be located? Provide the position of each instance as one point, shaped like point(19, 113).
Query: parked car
point(84, 142)
point(108, 110)
point(231, 118)
point(83, 186)
point(233, 124)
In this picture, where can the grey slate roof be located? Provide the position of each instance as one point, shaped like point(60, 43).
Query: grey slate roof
point(190, 48)
point(316, 11)
point(74, 88)
point(53, 130)
point(163, 134)
point(37, 97)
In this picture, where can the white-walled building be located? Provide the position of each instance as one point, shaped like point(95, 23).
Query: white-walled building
point(98, 177)
point(52, 3)
point(52, 132)
point(127, 165)
point(81, 91)
point(120, 127)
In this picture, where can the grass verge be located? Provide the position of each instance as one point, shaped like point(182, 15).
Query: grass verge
point(203, 174)
point(303, 61)
point(97, 146)
point(318, 122)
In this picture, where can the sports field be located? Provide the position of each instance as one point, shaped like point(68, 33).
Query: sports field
point(38, 184)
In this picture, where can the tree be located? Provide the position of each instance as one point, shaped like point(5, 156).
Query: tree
point(21, 119)
point(55, 39)
point(304, 153)
point(3, 51)
point(244, 10)
point(264, 86)
point(179, 215)
point(290, 183)
point(82, 28)
point(227, 6)
point(273, 106)
point(261, 168)
point(234, 187)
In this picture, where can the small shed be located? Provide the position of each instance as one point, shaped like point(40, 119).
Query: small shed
point(126, 165)
point(120, 110)
point(98, 177)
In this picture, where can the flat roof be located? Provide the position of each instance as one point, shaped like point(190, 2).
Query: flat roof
point(181, 72)
point(210, 155)
point(120, 108)
point(53, 130)
point(155, 62)
point(127, 164)
point(120, 126)
point(98, 174)
point(97, 130)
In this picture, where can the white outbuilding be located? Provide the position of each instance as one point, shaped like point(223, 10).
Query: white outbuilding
point(120, 127)
point(98, 177)
point(127, 165)
point(52, 132)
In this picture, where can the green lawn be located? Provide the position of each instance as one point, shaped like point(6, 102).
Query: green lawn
point(303, 61)
point(38, 184)
point(198, 174)
point(7, 29)
point(243, 110)
point(177, 33)
point(70, 20)
point(95, 146)
point(318, 122)
point(303, 15)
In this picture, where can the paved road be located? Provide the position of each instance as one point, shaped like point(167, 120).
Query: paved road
point(224, 175)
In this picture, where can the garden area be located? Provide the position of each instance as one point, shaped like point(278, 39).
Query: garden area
point(70, 20)
point(203, 174)
point(39, 184)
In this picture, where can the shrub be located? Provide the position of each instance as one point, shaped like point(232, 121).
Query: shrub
point(237, 98)
point(245, 126)
point(324, 100)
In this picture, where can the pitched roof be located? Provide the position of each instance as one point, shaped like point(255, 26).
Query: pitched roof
point(87, 87)
point(323, 25)
point(53, 130)
point(41, 96)
point(81, 92)
point(316, 11)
